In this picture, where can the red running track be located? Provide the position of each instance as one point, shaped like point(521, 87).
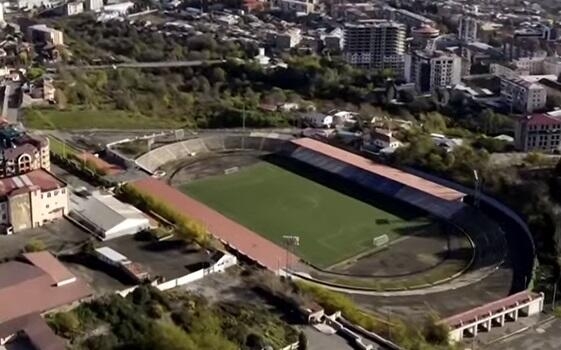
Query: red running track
point(238, 237)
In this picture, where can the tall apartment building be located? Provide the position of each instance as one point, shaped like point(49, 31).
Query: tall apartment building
point(375, 44)
point(302, 6)
point(467, 30)
point(538, 132)
point(431, 70)
point(21, 153)
point(521, 95)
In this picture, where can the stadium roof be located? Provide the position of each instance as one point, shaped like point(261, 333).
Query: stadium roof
point(388, 172)
point(489, 309)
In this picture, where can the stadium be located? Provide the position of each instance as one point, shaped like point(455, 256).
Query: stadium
point(334, 217)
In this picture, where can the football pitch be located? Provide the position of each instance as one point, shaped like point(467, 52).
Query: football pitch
point(273, 202)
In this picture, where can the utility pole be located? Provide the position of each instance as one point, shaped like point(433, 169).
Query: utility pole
point(243, 118)
point(554, 296)
point(477, 193)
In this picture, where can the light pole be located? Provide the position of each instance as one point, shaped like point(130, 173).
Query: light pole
point(290, 240)
point(477, 192)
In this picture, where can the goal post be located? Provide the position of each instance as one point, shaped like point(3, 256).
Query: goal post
point(380, 240)
point(231, 170)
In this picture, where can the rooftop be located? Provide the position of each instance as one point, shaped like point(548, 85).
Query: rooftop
point(107, 212)
point(26, 287)
point(36, 179)
point(49, 265)
point(541, 119)
point(37, 331)
point(394, 174)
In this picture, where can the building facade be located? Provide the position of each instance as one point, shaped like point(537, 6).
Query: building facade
point(40, 33)
point(21, 153)
point(521, 95)
point(431, 70)
point(467, 29)
point(538, 132)
point(375, 44)
point(31, 200)
point(300, 6)
point(410, 19)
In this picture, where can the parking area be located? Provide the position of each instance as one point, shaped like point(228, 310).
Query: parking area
point(58, 237)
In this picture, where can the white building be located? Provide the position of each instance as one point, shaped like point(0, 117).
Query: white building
point(552, 65)
point(299, 6)
point(521, 95)
point(467, 30)
point(93, 5)
point(375, 44)
point(289, 38)
point(318, 120)
point(121, 8)
point(108, 217)
point(384, 139)
point(431, 70)
point(74, 8)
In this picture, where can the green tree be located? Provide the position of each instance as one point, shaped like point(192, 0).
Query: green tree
point(66, 323)
point(35, 245)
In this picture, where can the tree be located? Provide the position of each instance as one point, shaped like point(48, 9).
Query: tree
point(435, 332)
point(66, 323)
point(34, 245)
point(302, 341)
point(166, 336)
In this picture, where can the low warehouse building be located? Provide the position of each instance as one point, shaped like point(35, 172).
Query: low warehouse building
point(108, 217)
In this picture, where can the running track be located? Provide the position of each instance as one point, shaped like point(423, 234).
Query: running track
point(243, 240)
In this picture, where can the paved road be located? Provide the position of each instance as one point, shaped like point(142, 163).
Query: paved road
point(140, 65)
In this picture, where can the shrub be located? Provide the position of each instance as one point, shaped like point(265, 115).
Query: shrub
point(34, 245)
point(66, 323)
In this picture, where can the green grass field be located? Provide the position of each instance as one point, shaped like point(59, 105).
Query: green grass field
point(51, 118)
point(275, 202)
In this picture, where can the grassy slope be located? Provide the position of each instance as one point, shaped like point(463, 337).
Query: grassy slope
point(275, 202)
point(93, 119)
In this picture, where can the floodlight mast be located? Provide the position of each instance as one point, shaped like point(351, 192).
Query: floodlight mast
point(290, 241)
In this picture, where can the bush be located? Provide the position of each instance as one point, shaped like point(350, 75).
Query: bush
point(302, 341)
point(435, 332)
point(66, 323)
point(34, 245)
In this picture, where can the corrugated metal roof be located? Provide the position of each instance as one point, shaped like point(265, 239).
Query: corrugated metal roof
point(112, 254)
point(106, 212)
point(388, 172)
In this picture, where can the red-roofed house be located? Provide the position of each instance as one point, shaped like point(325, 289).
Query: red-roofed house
point(31, 200)
point(538, 132)
point(35, 284)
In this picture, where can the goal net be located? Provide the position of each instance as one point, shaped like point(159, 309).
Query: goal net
point(380, 240)
point(231, 170)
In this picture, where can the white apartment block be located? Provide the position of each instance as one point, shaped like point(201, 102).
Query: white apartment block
point(431, 70)
point(538, 132)
point(521, 95)
point(300, 6)
point(467, 30)
point(375, 44)
point(552, 65)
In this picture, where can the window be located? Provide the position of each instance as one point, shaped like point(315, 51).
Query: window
point(49, 195)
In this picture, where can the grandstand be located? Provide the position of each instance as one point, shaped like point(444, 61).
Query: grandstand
point(156, 158)
point(443, 202)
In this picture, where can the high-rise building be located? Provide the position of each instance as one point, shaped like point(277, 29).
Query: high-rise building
point(431, 70)
point(521, 95)
point(467, 31)
point(375, 44)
